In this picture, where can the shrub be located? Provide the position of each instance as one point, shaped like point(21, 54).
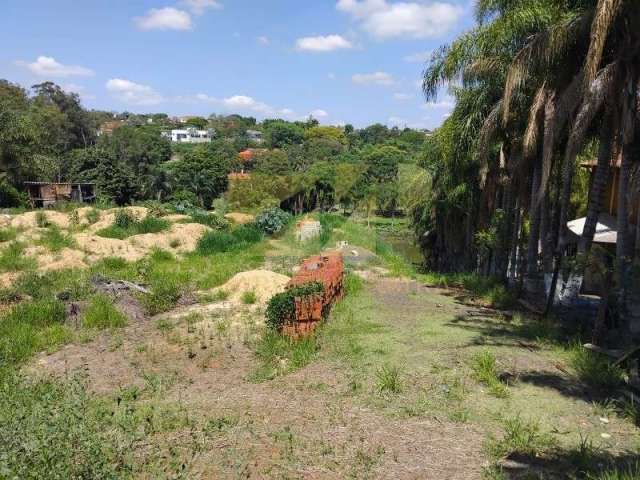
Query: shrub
point(30, 327)
point(74, 219)
point(281, 307)
point(150, 224)
point(212, 220)
point(273, 220)
point(247, 234)
point(166, 290)
point(124, 219)
point(101, 313)
point(280, 355)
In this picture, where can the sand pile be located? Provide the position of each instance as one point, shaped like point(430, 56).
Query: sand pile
point(28, 220)
point(241, 218)
point(98, 247)
point(264, 283)
point(66, 258)
point(181, 237)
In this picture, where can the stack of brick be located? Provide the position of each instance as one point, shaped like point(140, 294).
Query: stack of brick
point(326, 269)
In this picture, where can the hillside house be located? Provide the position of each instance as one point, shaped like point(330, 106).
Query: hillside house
point(255, 136)
point(189, 135)
point(45, 194)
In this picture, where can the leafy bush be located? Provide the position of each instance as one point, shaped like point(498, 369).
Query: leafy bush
point(212, 220)
point(30, 327)
point(281, 307)
point(124, 219)
point(41, 220)
point(101, 313)
point(273, 220)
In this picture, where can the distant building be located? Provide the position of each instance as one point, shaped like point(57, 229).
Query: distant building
point(46, 194)
point(189, 135)
point(255, 136)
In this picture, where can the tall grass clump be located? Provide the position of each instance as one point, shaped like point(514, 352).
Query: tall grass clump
point(30, 327)
point(521, 437)
point(102, 313)
point(224, 241)
point(595, 370)
point(13, 258)
point(166, 289)
point(8, 234)
point(484, 367)
point(629, 472)
point(125, 225)
point(279, 355)
point(388, 379)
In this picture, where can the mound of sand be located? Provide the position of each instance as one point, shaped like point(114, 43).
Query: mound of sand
point(28, 220)
point(66, 258)
point(97, 247)
point(264, 283)
point(181, 237)
point(241, 218)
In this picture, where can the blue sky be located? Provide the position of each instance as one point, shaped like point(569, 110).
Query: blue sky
point(344, 61)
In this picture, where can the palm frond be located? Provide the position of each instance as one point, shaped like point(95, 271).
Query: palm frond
point(486, 138)
point(530, 141)
point(606, 12)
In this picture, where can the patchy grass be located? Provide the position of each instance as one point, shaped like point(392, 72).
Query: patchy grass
point(280, 355)
point(630, 472)
point(8, 234)
point(13, 258)
point(101, 313)
point(220, 241)
point(388, 379)
point(520, 437)
point(484, 367)
point(125, 225)
point(30, 327)
point(55, 240)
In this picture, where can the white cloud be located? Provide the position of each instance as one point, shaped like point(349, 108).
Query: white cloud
point(319, 113)
point(133, 93)
point(402, 96)
point(383, 19)
point(49, 67)
point(262, 40)
point(326, 43)
point(419, 57)
point(79, 89)
point(167, 18)
point(376, 78)
point(198, 7)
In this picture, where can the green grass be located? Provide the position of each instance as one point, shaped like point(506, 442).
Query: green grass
point(41, 220)
point(521, 437)
point(388, 379)
point(8, 234)
point(279, 355)
point(101, 313)
point(630, 472)
point(30, 327)
point(488, 289)
point(122, 229)
point(484, 368)
point(70, 285)
point(55, 240)
point(222, 241)
point(13, 258)
point(594, 369)
point(249, 297)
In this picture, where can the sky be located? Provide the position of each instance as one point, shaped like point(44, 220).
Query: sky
point(341, 61)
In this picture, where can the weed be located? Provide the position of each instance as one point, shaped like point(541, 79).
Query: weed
point(41, 220)
point(175, 243)
point(520, 437)
point(485, 371)
point(101, 313)
point(13, 258)
point(8, 234)
point(166, 290)
point(630, 472)
point(249, 297)
point(220, 424)
point(159, 255)
point(164, 325)
point(125, 225)
point(74, 219)
point(280, 355)
point(92, 215)
point(388, 379)
point(68, 285)
point(595, 370)
point(55, 240)
point(218, 241)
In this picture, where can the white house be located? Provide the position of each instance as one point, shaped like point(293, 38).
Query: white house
point(190, 135)
point(255, 135)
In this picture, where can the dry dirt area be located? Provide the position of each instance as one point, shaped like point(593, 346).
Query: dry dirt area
point(312, 423)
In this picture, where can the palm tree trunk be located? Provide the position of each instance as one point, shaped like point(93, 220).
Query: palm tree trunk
point(534, 224)
point(598, 186)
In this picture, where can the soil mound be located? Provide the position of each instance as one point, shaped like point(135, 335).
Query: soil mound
point(241, 218)
point(263, 283)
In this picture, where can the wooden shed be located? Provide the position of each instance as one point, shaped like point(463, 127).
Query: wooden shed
point(46, 194)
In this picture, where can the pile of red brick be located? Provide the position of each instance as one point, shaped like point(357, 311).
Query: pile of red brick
point(326, 269)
